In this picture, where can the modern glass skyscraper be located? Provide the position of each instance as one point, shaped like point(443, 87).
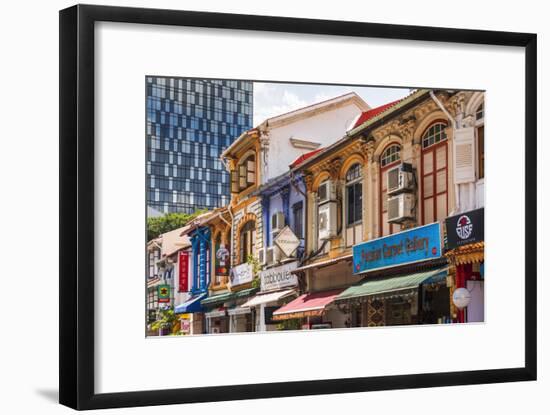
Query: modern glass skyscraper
point(189, 123)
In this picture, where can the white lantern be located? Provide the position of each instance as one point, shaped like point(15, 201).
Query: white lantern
point(461, 298)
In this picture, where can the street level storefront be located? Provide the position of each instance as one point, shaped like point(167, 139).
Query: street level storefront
point(465, 250)
point(277, 286)
point(327, 275)
point(224, 314)
point(405, 280)
point(311, 310)
point(190, 314)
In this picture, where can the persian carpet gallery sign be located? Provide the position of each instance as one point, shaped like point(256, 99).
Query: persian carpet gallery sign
point(414, 245)
point(164, 293)
point(183, 265)
point(465, 228)
point(278, 277)
point(241, 274)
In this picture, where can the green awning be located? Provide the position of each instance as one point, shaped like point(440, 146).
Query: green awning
point(227, 296)
point(387, 285)
point(218, 299)
point(245, 293)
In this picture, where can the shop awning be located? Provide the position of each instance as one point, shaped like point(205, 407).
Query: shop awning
point(218, 299)
point(219, 312)
point(237, 311)
point(267, 298)
point(228, 296)
point(388, 285)
point(193, 305)
point(306, 305)
point(324, 263)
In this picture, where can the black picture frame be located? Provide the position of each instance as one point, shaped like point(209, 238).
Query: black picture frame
point(76, 283)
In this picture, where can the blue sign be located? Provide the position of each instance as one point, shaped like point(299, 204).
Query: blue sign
point(413, 245)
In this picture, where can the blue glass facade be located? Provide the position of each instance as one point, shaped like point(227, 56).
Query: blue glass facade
point(189, 123)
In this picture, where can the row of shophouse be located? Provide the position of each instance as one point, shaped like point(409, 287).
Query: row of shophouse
point(341, 215)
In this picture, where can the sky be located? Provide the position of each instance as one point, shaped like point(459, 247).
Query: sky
point(271, 99)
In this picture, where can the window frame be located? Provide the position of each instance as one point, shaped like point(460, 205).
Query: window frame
point(382, 187)
point(432, 148)
point(352, 184)
point(247, 241)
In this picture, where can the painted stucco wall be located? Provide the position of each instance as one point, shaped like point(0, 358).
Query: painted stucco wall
point(324, 128)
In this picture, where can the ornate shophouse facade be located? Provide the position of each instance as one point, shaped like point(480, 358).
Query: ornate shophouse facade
point(377, 203)
point(341, 216)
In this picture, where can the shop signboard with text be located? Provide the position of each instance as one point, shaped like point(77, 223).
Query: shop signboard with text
point(465, 228)
point(183, 268)
point(241, 274)
point(163, 293)
point(413, 245)
point(279, 277)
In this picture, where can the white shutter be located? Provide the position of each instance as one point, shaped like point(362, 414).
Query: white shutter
point(464, 155)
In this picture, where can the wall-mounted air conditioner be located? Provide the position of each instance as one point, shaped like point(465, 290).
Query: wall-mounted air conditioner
point(326, 192)
point(277, 222)
point(401, 208)
point(262, 256)
point(273, 255)
point(400, 179)
point(326, 221)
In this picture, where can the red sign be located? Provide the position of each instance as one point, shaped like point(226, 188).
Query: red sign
point(183, 262)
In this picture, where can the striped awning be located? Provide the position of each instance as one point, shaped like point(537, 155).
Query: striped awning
point(193, 305)
point(381, 286)
point(306, 305)
point(264, 298)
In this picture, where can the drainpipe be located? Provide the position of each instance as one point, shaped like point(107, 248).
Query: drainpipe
point(231, 234)
point(454, 126)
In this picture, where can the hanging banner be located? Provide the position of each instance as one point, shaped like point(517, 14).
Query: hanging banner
point(183, 266)
point(417, 244)
point(164, 293)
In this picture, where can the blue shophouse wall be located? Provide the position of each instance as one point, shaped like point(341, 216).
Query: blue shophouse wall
point(281, 196)
point(201, 253)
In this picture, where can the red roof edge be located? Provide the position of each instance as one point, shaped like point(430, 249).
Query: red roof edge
point(304, 157)
point(367, 115)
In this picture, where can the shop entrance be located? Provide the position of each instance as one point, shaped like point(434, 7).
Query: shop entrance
point(398, 312)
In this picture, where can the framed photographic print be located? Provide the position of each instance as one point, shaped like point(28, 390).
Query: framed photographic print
point(258, 206)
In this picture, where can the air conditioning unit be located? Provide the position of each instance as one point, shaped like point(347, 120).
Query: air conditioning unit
point(273, 255)
point(262, 256)
point(277, 222)
point(400, 179)
point(326, 192)
point(401, 208)
point(326, 221)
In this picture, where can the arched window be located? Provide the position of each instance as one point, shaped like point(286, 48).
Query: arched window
point(480, 112)
point(247, 239)
point(434, 173)
point(390, 157)
point(354, 205)
point(434, 135)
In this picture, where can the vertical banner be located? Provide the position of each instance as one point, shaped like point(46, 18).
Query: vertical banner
point(183, 266)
